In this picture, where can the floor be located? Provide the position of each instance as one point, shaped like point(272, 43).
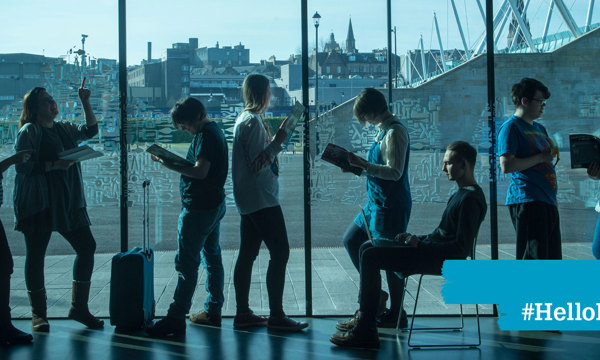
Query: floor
point(335, 283)
point(69, 340)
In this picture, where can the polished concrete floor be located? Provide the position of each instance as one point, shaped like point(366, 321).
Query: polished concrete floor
point(69, 340)
point(334, 291)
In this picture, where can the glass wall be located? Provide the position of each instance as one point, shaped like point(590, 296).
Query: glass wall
point(57, 56)
point(557, 49)
point(199, 50)
point(178, 58)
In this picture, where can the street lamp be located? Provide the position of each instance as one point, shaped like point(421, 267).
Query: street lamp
point(316, 18)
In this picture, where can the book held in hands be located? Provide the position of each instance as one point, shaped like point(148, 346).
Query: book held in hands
point(169, 156)
point(80, 153)
point(338, 156)
point(295, 116)
point(585, 149)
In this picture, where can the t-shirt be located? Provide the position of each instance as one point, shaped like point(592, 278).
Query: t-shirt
point(210, 144)
point(538, 183)
point(454, 237)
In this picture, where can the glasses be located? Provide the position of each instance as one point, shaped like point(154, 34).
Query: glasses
point(541, 101)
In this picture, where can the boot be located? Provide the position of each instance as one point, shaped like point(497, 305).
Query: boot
point(9, 335)
point(39, 317)
point(79, 306)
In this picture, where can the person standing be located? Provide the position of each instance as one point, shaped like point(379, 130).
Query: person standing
point(593, 172)
point(202, 209)
point(49, 196)
point(389, 200)
point(527, 153)
point(8, 333)
point(255, 172)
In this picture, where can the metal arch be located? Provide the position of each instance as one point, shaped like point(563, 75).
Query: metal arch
point(547, 24)
point(514, 40)
point(437, 29)
point(590, 12)
point(566, 15)
point(500, 17)
point(521, 23)
point(462, 35)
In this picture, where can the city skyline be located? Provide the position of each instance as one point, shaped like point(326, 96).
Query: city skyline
point(256, 25)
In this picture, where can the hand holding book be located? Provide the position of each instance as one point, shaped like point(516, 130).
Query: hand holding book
point(339, 156)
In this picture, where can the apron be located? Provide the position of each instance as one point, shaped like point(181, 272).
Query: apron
point(388, 209)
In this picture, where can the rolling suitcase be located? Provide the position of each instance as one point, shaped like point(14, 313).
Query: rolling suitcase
point(132, 282)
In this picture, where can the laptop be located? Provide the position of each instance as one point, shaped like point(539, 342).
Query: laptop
point(379, 241)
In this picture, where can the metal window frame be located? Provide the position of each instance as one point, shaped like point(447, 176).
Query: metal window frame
point(123, 131)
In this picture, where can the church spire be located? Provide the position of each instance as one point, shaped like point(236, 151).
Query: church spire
point(350, 44)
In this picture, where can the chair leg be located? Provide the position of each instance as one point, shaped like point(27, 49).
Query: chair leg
point(412, 328)
point(405, 279)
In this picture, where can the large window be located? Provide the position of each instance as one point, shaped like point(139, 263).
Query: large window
point(205, 50)
point(57, 56)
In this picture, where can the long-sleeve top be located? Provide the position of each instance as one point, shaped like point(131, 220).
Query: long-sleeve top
point(454, 237)
point(255, 184)
point(60, 191)
point(393, 151)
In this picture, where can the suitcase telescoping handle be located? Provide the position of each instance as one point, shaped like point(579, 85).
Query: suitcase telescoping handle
point(146, 221)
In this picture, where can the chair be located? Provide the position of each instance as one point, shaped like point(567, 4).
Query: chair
point(416, 298)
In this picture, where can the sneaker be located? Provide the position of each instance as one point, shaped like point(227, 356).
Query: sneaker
point(346, 325)
point(167, 326)
point(249, 319)
point(356, 338)
point(204, 318)
point(388, 320)
point(284, 323)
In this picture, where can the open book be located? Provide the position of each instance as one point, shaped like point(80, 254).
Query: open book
point(338, 156)
point(585, 149)
point(80, 153)
point(165, 154)
point(295, 116)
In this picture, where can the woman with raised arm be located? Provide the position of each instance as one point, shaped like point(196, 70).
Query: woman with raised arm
point(49, 197)
point(255, 174)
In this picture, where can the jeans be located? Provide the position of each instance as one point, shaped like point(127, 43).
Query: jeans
point(266, 225)
point(36, 243)
point(596, 242)
point(198, 242)
point(355, 239)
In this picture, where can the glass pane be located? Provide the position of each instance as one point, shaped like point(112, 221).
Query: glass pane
point(561, 64)
point(57, 58)
point(210, 64)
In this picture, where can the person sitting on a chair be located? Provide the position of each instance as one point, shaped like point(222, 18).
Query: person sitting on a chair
point(452, 239)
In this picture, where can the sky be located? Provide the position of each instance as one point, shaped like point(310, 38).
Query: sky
point(266, 27)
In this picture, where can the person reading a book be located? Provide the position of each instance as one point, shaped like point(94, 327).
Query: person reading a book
point(255, 172)
point(202, 209)
point(413, 254)
point(9, 335)
point(389, 201)
point(527, 154)
point(49, 196)
point(593, 172)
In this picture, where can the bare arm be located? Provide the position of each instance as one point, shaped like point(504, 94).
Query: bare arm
point(198, 171)
point(18, 158)
point(84, 95)
point(509, 163)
